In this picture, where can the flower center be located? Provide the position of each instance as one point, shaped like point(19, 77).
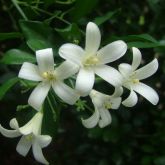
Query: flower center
point(49, 75)
point(107, 105)
point(29, 137)
point(91, 61)
point(135, 81)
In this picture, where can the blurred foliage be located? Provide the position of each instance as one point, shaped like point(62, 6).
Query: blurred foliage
point(136, 135)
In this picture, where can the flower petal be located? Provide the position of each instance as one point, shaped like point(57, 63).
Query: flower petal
point(14, 124)
point(147, 70)
point(91, 121)
point(85, 81)
point(109, 74)
point(146, 92)
point(23, 146)
point(106, 118)
point(131, 100)
point(66, 69)
point(9, 133)
point(38, 95)
point(29, 71)
point(112, 51)
point(93, 38)
point(44, 140)
point(71, 52)
point(66, 93)
point(37, 152)
point(115, 102)
point(45, 59)
point(125, 69)
point(137, 57)
point(118, 92)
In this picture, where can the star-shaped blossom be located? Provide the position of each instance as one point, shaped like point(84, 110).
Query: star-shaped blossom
point(102, 104)
point(132, 76)
point(48, 76)
point(31, 137)
point(91, 60)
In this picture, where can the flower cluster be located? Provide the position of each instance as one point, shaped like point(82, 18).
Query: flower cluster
point(85, 65)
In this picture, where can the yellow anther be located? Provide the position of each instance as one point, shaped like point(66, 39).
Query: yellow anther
point(48, 75)
point(107, 105)
point(29, 137)
point(90, 61)
point(135, 81)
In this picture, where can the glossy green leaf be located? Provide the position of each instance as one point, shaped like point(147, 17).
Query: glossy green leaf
point(16, 56)
point(100, 20)
point(6, 86)
point(38, 35)
point(12, 35)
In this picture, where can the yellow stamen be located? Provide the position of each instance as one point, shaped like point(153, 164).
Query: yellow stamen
point(48, 75)
point(107, 105)
point(135, 81)
point(29, 137)
point(91, 60)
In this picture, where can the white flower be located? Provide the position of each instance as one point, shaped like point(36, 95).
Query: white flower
point(91, 60)
point(31, 136)
point(102, 103)
point(132, 77)
point(48, 76)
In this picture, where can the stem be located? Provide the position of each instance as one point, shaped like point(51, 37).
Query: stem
point(19, 10)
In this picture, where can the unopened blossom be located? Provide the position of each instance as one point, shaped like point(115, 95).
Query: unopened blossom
point(31, 137)
point(91, 60)
point(132, 79)
point(48, 76)
point(102, 103)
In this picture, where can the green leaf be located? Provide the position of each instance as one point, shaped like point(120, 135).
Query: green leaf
point(143, 44)
point(38, 35)
point(71, 33)
point(82, 8)
point(141, 37)
point(16, 56)
point(100, 20)
point(12, 35)
point(6, 86)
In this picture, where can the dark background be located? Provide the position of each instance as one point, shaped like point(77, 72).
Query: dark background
point(136, 135)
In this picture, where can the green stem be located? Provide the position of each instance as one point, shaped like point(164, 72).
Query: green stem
point(19, 10)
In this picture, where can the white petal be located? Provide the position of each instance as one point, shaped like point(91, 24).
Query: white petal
point(105, 118)
point(9, 133)
point(131, 100)
point(125, 70)
point(37, 152)
point(66, 93)
point(23, 146)
point(115, 102)
point(44, 140)
point(146, 92)
point(71, 52)
point(137, 57)
point(85, 81)
point(29, 71)
point(14, 124)
point(118, 92)
point(112, 51)
point(91, 121)
point(66, 69)
point(38, 95)
point(109, 74)
point(147, 70)
point(93, 38)
point(45, 59)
